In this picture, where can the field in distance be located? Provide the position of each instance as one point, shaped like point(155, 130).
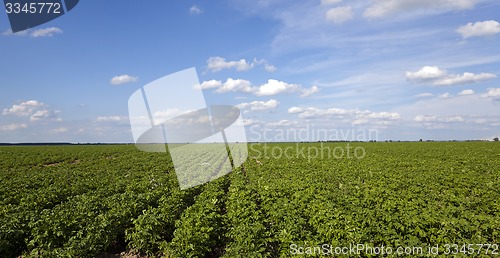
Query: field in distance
point(89, 200)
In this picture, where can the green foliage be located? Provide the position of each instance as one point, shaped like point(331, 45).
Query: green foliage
point(82, 201)
point(200, 229)
point(246, 230)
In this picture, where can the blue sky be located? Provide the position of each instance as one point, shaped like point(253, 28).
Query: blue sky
point(408, 69)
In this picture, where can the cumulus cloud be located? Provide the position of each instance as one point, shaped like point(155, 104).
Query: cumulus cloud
point(9, 32)
point(59, 130)
point(381, 8)
point(195, 10)
point(211, 84)
point(441, 119)
point(270, 88)
point(25, 108)
point(355, 117)
point(263, 62)
point(466, 92)
point(270, 68)
point(339, 15)
point(248, 122)
point(426, 73)
point(295, 110)
point(46, 115)
point(217, 63)
point(111, 118)
point(260, 105)
point(47, 32)
point(435, 76)
point(36, 110)
point(12, 127)
point(273, 87)
point(479, 29)
point(235, 85)
point(446, 95)
point(164, 115)
point(283, 122)
point(465, 78)
point(122, 79)
point(330, 2)
point(493, 93)
point(424, 95)
point(313, 112)
point(308, 92)
point(383, 115)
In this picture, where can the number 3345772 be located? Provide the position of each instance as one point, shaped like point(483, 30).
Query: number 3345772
point(33, 8)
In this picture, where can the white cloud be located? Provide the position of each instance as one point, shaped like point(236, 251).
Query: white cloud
point(211, 84)
point(217, 63)
point(164, 115)
point(493, 93)
point(111, 118)
point(339, 15)
point(353, 116)
point(195, 10)
point(59, 130)
point(9, 32)
point(479, 29)
point(381, 8)
point(425, 118)
point(295, 110)
point(267, 66)
point(47, 32)
point(122, 79)
point(330, 2)
point(463, 105)
point(37, 111)
point(46, 115)
point(270, 88)
point(476, 115)
point(441, 119)
point(466, 92)
point(308, 92)
point(273, 87)
point(235, 85)
point(465, 78)
point(424, 95)
point(23, 109)
point(283, 122)
point(446, 95)
point(384, 115)
point(436, 76)
point(12, 127)
point(313, 112)
point(270, 68)
point(426, 73)
point(248, 122)
point(260, 105)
